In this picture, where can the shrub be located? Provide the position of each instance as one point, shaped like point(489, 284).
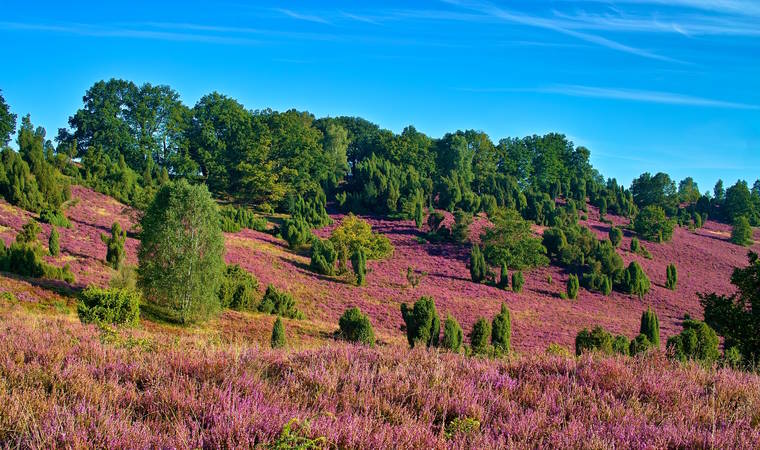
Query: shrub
point(650, 327)
point(639, 345)
point(572, 287)
point(635, 281)
point(296, 232)
point(501, 330)
point(741, 233)
point(53, 246)
point(732, 358)
point(511, 241)
point(621, 345)
point(356, 327)
point(238, 289)
point(652, 224)
point(233, 219)
point(672, 277)
point(114, 306)
point(462, 426)
point(697, 341)
point(413, 278)
point(353, 233)
point(124, 278)
point(616, 236)
point(279, 303)
point(517, 281)
point(359, 264)
point(278, 339)
point(323, 256)
point(295, 435)
point(115, 244)
point(635, 245)
point(478, 269)
point(596, 340)
point(554, 240)
point(598, 282)
point(479, 335)
point(423, 326)
point(26, 260)
point(29, 233)
point(555, 349)
point(418, 214)
point(181, 253)
point(56, 218)
point(460, 232)
point(503, 277)
point(452, 334)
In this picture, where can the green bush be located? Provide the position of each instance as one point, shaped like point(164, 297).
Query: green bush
point(462, 426)
point(356, 327)
point(639, 345)
point(650, 327)
point(238, 289)
point(479, 335)
point(53, 245)
point(233, 219)
point(671, 275)
point(423, 326)
point(616, 236)
point(597, 282)
point(555, 349)
point(652, 224)
point(478, 268)
point(697, 341)
point(115, 245)
point(114, 306)
point(279, 303)
point(504, 277)
point(741, 233)
point(26, 260)
point(278, 339)
point(460, 231)
point(621, 345)
point(29, 233)
point(596, 340)
point(501, 330)
point(554, 240)
point(296, 232)
point(517, 282)
point(359, 264)
point(323, 256)
point(635, 281)
point(55, 218)
point(452, 334)
point(572, 287)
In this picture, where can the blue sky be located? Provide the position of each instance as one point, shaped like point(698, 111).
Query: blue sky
point(646, 85)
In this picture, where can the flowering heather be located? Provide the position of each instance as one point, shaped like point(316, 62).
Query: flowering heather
point(69, 385)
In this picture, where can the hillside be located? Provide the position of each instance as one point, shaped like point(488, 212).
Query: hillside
point(704, 257)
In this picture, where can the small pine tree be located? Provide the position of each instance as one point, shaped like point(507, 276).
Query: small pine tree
point(115, 244)
point(572, 287)
point(650, 327)
point(639, 345)
point(479, 335)
point(422, 322)
point(477, 265)
point(517, 281)
point(356, 327)
point(603, 207)
point(452, 334)
point(635, 245)
point(501, 330)
point(359, 264)
point(53, 245)
point(672, 277)
point(616, 236)
point(741, 233)
point(418, 214)
point(504, 277)
point(635, 281)
point(28, 234)
point(621, 345)
point(278, 334)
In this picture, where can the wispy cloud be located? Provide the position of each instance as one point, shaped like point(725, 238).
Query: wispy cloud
point(668, 98)
point(302, 16)
point(552, 24)
point(737, 7)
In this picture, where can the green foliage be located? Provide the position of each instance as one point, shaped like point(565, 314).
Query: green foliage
point(460, 232)
point(650, 327)
point(555, 349)
point(739, 202)
point(7, 122)
point(501, 330)
point(478, 267)
point(353, 233)
point(323, 256)
point(279, 303)
point(639, 249)
point(504, 277)
point(29, 233)
point(233, 219)
point(278, 339)
point(53, 246)
point(418, 213)
point(413, 278)
point(517, 281)
point(697, 342)
point(621, 345)
point(296, 232)
point(635, 281)
point(597, 339)
point(462, 426)
point(616, 236)
point(640, 344)
point(24, 257)
point(741, 233)
point(55, 218)
point(356, 327)
point(658, 190)
point(113, 306)
point(238, 289)
point(597, 282)
point(295, 436)
point(671, 274)
point(124, 278)
point(452, 334)
point(652, 224)
point(554, 240)
point(181, 252)
point(572, 287)
point(512, 242)
point(479, 335)
point(359, 265)
point(736, 317)
point(115, 244)
point(423, 326)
